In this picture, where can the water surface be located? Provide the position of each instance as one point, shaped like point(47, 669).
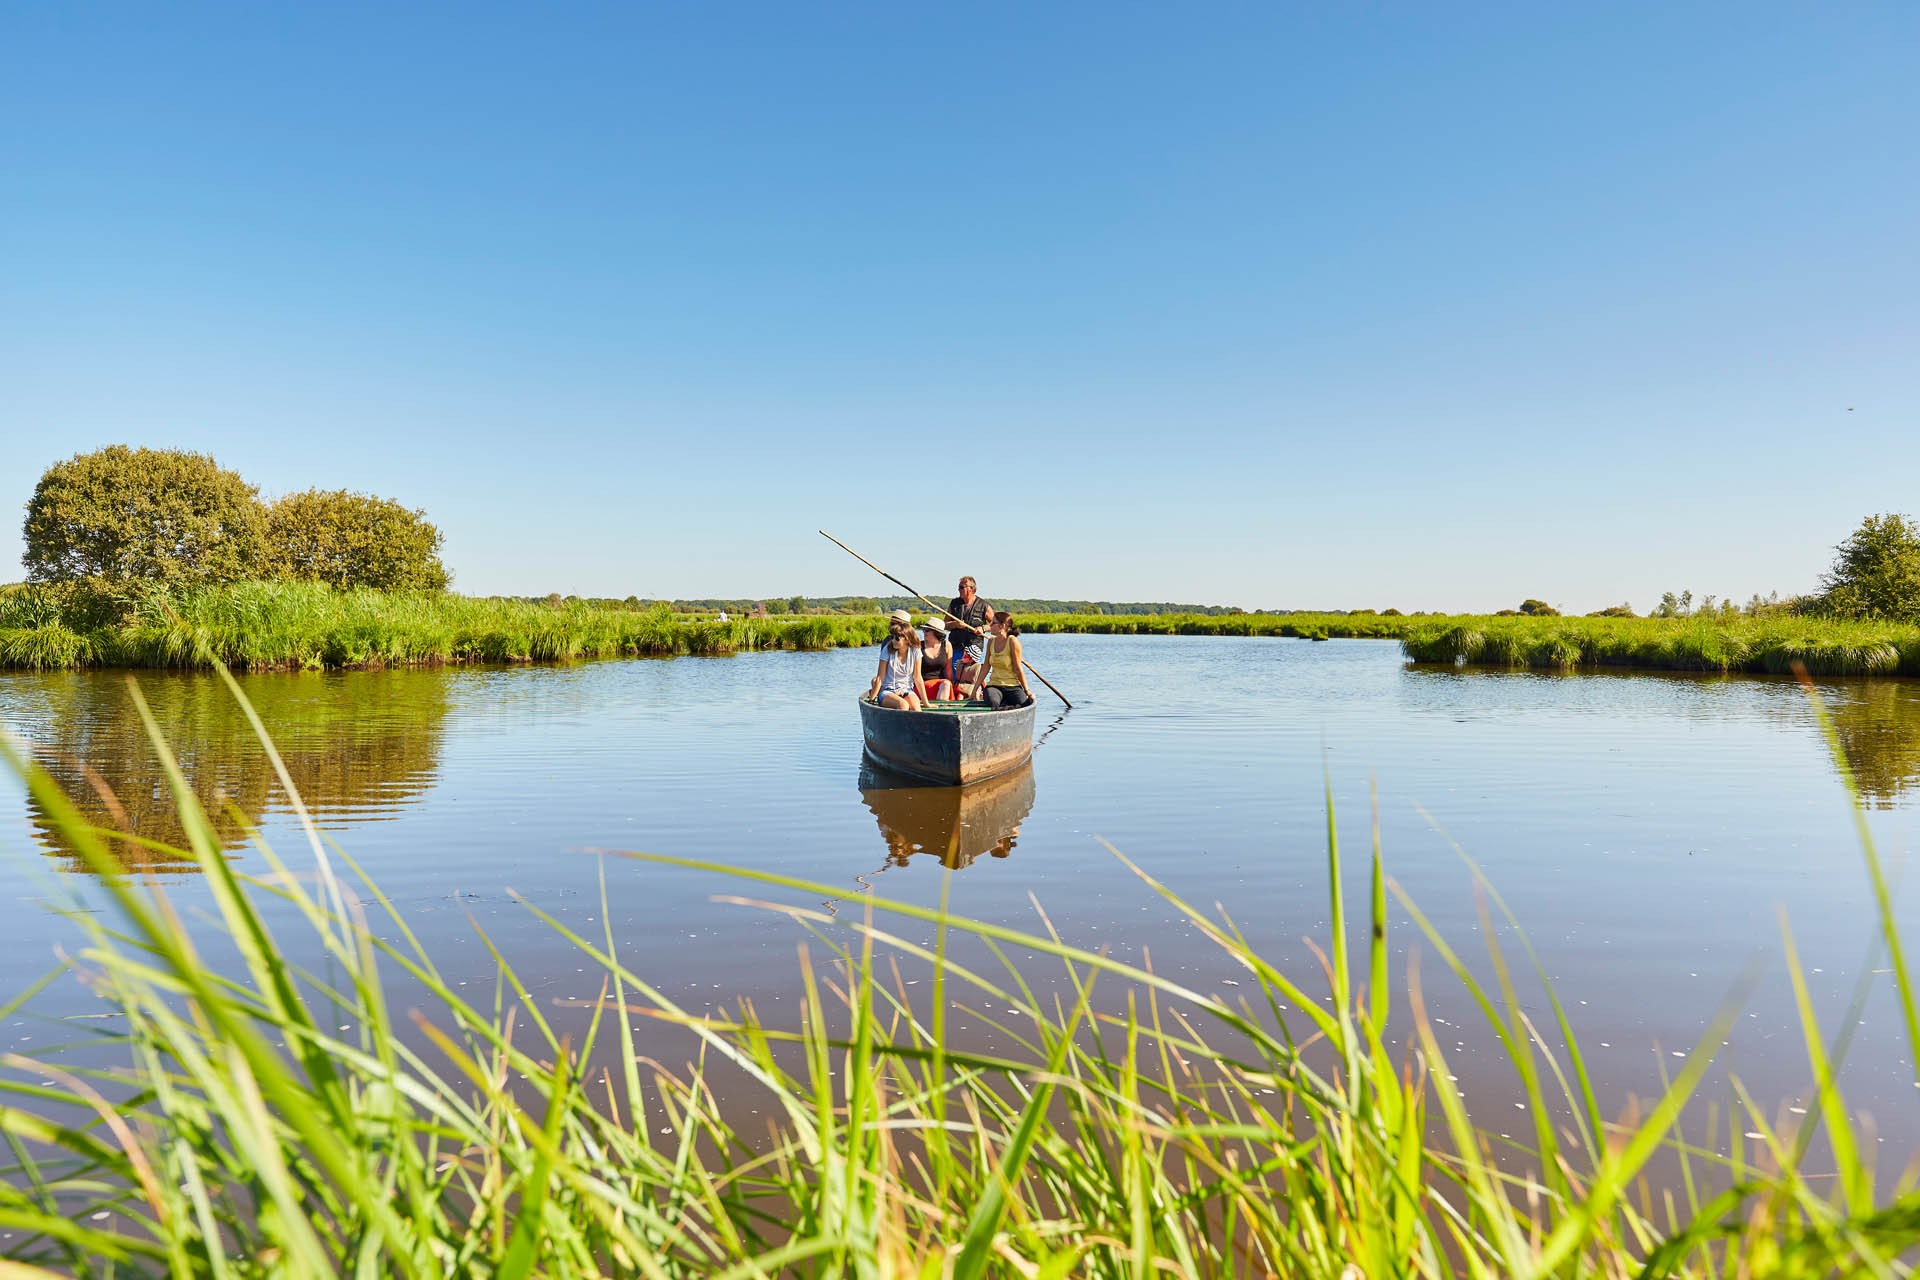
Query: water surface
point(1646, 829)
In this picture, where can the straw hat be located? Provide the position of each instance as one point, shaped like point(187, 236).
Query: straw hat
point(934, 624)
point(901, 615)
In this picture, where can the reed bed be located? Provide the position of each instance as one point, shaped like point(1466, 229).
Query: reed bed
point(1304, 626)
point(1136, 1127)
point(294, 626)
point(267, 626)
point(1772, 644)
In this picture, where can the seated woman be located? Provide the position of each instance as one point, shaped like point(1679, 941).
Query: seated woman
point(1002, 677)
point(935, 653)
point(897, 683)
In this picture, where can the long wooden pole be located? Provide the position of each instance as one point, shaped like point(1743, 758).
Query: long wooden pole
point(931, 605)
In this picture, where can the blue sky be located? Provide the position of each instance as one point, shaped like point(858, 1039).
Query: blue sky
point(1274, 305)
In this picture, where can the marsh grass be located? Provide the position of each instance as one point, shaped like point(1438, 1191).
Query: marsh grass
point(1303, 626)
point(1778, 645)
point(289, 626)
point(270, 626)
point(1135, 1127)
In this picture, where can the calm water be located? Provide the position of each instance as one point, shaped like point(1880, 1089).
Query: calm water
point(1647, 830)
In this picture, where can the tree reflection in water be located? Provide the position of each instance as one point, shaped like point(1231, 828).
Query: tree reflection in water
point(953, 824)
point(1878, 722)
point(357, 745)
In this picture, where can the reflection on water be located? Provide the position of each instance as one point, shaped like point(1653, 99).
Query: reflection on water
point(1047, 732)
point(1877, 720)
point(955, 825)
point(1878, 723)
point(1644, 827)
point(359, 745)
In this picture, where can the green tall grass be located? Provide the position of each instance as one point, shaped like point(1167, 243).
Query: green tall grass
point(1135, 1127)
point(1775, 644)
point(267, 626)
point(1307, 626)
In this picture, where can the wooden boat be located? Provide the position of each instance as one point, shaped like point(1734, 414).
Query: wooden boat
point(952, 743)
point(954, 824)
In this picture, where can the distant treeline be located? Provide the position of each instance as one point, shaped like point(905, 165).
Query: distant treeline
point(886, 604)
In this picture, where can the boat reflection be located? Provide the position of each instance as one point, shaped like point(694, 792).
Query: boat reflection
point(955, 825)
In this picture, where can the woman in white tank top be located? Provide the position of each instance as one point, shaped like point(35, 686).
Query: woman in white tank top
point(897, 683)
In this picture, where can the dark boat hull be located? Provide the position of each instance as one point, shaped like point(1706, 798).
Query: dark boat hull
point(947, 747)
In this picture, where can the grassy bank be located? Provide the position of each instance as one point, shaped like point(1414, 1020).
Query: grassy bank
point(1304, 626)
point(265, 1124)
point(295, 626)
point(291, 626)
point(1766, 644)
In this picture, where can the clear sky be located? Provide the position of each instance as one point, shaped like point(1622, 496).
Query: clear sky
point(1278, 305)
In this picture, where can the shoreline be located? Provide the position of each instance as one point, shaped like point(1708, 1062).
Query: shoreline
point(284, 626)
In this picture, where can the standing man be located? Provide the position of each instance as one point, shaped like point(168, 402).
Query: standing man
point(967, 634)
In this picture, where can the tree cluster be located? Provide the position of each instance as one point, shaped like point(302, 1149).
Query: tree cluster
point(1876, 572)
point(122, 517)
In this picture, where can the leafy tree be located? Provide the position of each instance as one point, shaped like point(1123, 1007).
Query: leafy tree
point(1674, 606)
point(1538, 609)
point(1621, 610)
point(355, 540)
point(120, 515)
point(1876, 571)
point(798, 604)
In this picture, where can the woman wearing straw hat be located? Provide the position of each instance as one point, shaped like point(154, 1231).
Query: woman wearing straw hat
point(934, 657)
point(897, 683)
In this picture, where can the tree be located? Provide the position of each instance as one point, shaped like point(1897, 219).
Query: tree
point(1538, 609)
point(1876, 571)
point(355, 540)
point(1674, 606)
point(120, 515)
point(798, 604)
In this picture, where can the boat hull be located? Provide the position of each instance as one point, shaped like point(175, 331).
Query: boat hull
point(947, 747)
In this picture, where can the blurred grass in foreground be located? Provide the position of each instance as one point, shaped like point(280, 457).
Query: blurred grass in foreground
point(1288, 1134)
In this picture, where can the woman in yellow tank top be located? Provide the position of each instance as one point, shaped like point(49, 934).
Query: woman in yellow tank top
point(1002, 677)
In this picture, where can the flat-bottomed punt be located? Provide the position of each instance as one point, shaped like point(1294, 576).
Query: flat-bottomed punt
point(953, 743)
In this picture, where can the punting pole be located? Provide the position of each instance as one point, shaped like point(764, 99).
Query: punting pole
point(931, 605)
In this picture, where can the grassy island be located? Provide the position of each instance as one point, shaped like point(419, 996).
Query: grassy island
point(1770, 643)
